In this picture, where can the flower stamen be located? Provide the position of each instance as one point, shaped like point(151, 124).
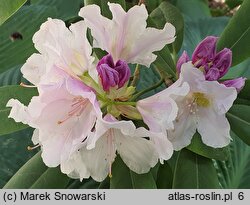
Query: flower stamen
point(78, 106)
point(34, 147)
point(27, 86)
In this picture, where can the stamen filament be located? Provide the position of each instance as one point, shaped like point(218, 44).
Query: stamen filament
point(27, 86)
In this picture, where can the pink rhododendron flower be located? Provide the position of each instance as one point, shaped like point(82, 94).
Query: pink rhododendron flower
point(60, 47)
point(126, 37)
point(63, 114)
point(110, 136)
point(203, 109)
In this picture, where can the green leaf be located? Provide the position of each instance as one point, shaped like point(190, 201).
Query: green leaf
point(240, 70)
point(8, 8)
point(165, 177)
point(120, 175)
point(104, 5)
point(24, 95)
point(193, 171)
point(237, 34)
point(193, 9)
point(34, 174)
point(239, 119)
point(235, 172)
point(198, 147)
point(52, 178)
point(151, 5)
point(195, 31)
point(124, 178)
point(143, 181)
point(148, 77)
point(165, 63)
point(28, 174)
point(164, 13)
point(12, 76)
point(26, 22)
point(14, 153)
point(85, 184)
point(65, 9)
point(8, 125)
point(233, 3)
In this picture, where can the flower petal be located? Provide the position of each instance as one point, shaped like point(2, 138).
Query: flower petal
point(213, 128)
point(150, 41)
point(184, 129)
point(67, 49)
point(160, 110)
point(34, 68)
point(118, 36)
point(222, 97)
point(137, 153)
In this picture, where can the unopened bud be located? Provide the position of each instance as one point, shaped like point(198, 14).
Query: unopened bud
point(112, 74)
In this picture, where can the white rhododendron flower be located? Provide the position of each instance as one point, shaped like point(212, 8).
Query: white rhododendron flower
point(95, 159)
point(58, 114)
point(126, 36)
point(60, 47)
point(203, 109)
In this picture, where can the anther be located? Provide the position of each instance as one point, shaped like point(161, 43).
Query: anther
point(34, 147)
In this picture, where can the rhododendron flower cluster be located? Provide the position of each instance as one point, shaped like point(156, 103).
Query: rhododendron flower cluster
point(85, 113)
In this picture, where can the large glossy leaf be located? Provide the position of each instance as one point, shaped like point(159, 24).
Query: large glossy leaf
point(239, 118)
point(197, 29)
point(104, 5)
point(23, 94)
point(65, 9)
point(28, 174)
point(8, 125)
point(165, 63)
point(120, 175)
point(237, 34)
point(193, 9)
point(34, 174)
point(123, 178)
point(198, 147)
point(14, 153)
point(164, 13)
point(26, 22)
point(164, 177)
point(193, 171)
point(12, 76)
point(52, 178)
point(235, 172)
point(85, 184)
point(6, 93)
point(143, 181)
point(8, 8)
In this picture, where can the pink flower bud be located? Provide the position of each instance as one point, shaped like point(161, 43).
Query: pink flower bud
point(205, 51)
point(112, 74)
point(237, 83)
point(212, 74)
point(223, 61)
point(184, 58)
